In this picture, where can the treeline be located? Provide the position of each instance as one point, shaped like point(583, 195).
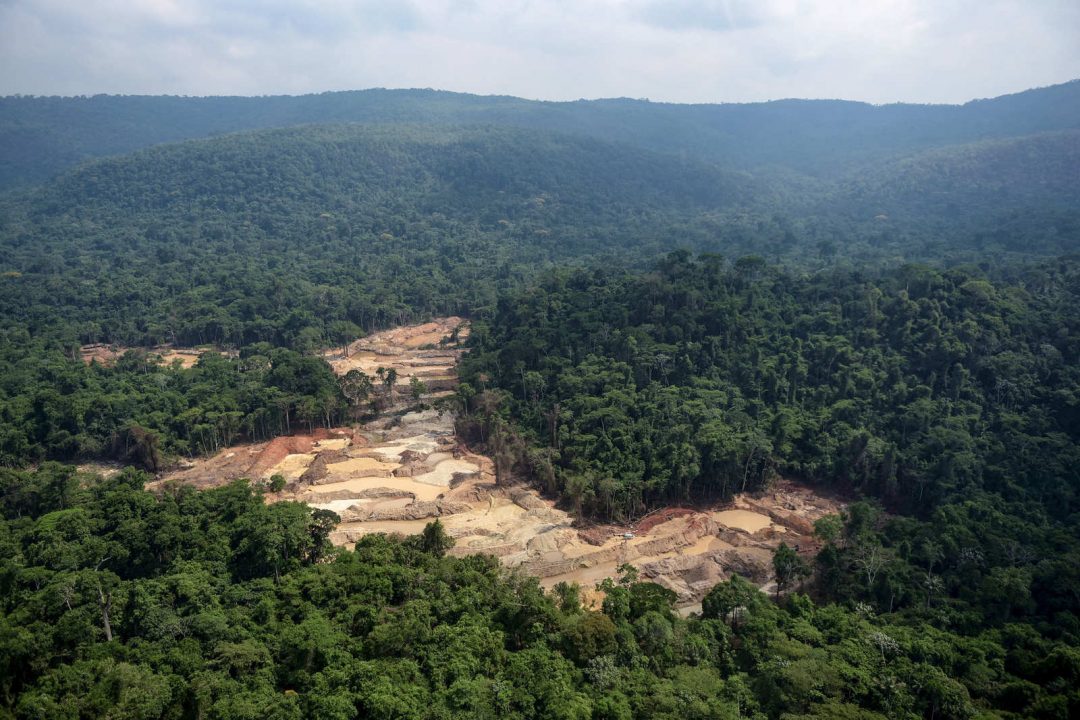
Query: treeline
point(1019, 195)
point(915, 386)
point(118, 603)
point(145, 413)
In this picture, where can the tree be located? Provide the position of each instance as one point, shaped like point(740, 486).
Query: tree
point(828, 528)
point(789, 567)
point(356, 386)
point(434, 540)
point(389, 377)
point(344, 332)
point(323, 522)
point(417, 388)
point(730, 600)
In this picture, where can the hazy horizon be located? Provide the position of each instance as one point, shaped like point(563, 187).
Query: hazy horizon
point(534, 99)
point(677, 51)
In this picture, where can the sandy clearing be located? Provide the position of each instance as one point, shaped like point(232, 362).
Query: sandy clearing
point(684, 548)
point(347, 532)
point(337, 506)
point(332, 444)
point(292, 467)
point(367, 467)
point(167, 354)
point(423, 444)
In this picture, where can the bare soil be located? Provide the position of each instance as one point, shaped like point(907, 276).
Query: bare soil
point(108, 354)
point(399, 471)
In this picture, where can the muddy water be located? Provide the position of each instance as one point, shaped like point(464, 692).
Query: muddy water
point(744, 520)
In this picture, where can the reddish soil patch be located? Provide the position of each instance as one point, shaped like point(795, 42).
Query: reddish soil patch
point(251, 460)
point(276, 450)
point(658, 517)
point(597, 535)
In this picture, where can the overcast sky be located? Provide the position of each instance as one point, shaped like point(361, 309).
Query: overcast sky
point(672, 50)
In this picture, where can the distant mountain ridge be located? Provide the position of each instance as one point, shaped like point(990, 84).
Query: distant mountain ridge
point(42, 136)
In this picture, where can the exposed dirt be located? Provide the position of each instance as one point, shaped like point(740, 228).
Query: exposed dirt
point(428, 352)
point(167, 354)
point(396, 473)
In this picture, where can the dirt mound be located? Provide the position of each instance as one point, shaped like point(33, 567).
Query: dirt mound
point(413, 511)
point(317, 469)
point(281, 447)
point(527, 499)
point(472, 492)
point(596, 535)
point(755, 567)
point(413, 337)
point(377, 493)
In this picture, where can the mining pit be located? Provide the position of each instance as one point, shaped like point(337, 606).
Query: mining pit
point(406, 468)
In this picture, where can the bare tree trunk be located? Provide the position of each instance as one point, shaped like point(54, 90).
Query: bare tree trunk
point(106, 606)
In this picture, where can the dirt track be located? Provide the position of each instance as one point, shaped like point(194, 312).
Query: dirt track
point(397, 473)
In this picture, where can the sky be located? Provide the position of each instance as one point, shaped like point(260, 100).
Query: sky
point(666, 50)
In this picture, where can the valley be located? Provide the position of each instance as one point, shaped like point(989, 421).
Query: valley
point(693, 332)
point(399, 471)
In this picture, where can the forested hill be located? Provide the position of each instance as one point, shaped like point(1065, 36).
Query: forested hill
point(274, 235)
point(40, 137)
point(1021, 194)
point(800, 342)
point(1037, 170)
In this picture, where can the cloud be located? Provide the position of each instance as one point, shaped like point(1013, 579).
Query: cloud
point(719, 15)
point(675, 50)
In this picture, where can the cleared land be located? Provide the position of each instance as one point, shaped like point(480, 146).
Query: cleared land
point(167, 354)
point(397, 473)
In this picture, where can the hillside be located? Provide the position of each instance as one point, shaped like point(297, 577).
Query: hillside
point(258, 236)
point(878, 312)
point(40, 137)
point(1020, 194)
point(276, 235)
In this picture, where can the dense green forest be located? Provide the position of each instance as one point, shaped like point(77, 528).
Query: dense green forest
point(701, 379)
point(275, 236)
point(948, 398)
point(302, 238)
point(279, 236)
point(669, 304)
point(122, 604)
point(146, 413)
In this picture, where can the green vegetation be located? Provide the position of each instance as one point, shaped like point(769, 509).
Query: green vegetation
point(121, 604)
point(297, 237)
point(42, 136)
point(287, 236)
point(141, 412)
point(701, 379)
point(901, 324)
point(948, 397)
